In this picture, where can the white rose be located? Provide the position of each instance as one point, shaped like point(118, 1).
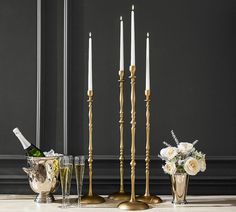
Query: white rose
point(169, 152)
point(192, 166)
point(185, 147)
point(202, 164)
point(169, 168)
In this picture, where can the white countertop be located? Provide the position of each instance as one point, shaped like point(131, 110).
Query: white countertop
point(25, 203)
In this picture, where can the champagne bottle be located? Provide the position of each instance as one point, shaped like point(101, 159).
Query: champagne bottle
point(30, 149)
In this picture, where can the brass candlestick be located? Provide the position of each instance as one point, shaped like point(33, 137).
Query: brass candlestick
point(121, 195)
point(147, 198)
point(132, 204)
point(91, 198)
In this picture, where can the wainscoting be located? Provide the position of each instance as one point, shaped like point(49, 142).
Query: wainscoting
point(193, 87)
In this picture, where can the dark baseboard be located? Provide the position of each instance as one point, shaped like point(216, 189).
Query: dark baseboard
point(219, 178)
point(197, 186)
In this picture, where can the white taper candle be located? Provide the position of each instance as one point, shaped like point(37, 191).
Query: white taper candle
point(132, 62)
point(90, 68)
point(121, 45)
point(147, 64)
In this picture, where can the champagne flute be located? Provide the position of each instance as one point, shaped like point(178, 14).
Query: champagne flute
point(79, 173)
point(66, 169)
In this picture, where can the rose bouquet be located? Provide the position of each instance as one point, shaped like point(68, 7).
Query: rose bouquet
point(183, 158)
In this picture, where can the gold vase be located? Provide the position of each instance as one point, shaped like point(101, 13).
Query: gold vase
point(179, 186)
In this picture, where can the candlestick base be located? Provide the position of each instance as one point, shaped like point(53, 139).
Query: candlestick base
point(133, 205)
point(150, 199)
point(94, 199)
point(120, 196)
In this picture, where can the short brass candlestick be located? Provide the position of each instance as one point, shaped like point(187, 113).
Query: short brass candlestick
point(132, 204)
point(121, 195)
point(147, 198)
point(91, 198)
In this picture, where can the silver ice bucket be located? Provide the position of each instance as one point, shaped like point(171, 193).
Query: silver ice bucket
point(43, 174)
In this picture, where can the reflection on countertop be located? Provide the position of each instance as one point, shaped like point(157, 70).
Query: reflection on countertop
point(25, 203)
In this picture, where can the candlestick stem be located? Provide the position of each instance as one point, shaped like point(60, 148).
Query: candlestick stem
point(147, 160)
point(121, 121)
point(91, 198)
point(90, 159)
point(133, 129)
point(132, 204)
point(147, 198)
point(121, 195)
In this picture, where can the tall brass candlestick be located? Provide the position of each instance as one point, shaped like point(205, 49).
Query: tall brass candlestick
point(147, 198)
point(132, 204)
point(91, 198)
point(121, 195)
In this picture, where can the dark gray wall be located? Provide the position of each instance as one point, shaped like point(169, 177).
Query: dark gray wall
point(192, 72)
point(192, 82)
point(17, 72)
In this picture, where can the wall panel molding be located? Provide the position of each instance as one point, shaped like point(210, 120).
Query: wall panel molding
point(65, 80)
point(28, 62)
point(39, 65)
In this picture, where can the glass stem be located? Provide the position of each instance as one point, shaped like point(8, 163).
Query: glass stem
point(79, 200)
point(64, 203)
point(67, 200)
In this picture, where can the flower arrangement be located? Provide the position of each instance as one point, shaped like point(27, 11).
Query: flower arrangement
point(183, 158)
